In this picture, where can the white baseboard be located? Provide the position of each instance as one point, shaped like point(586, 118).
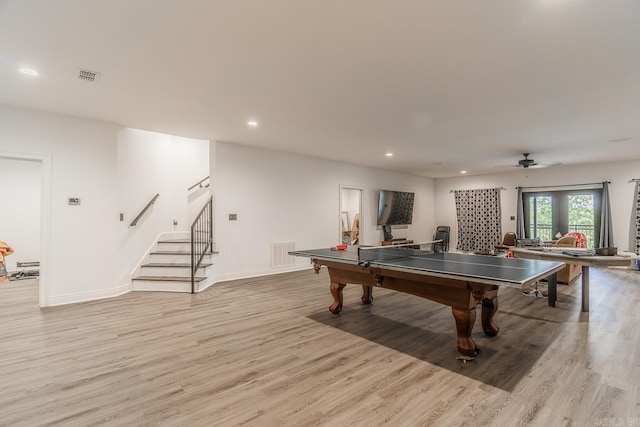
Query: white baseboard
point(257, 273)
point(123, 289)
point(89, 296)
point(207, 285)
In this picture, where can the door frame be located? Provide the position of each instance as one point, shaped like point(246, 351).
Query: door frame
point(559, 209)
point(360, 210)
point(45, 218)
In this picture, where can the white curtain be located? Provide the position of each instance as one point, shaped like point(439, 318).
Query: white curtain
point(606, 224)
point(479, 219)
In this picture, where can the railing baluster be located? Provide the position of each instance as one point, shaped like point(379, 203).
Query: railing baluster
point(543, 232)
point(201, 238)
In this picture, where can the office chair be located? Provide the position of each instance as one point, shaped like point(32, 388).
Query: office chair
point(508, 240)
point(562, 275)
point(442, 233)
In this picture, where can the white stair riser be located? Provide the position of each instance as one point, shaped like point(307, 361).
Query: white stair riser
point(184, 258)
point(174, 253)
point(210, 280)
point(174, 247)
point(153, 285)
point(173, 271)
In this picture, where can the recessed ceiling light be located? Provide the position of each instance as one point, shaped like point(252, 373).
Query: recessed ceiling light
point(28, 71)
point(252, 123)
point(389, 154)
point(463, 171)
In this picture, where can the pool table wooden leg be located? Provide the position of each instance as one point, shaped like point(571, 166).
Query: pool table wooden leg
point(336, 293)
point(367, 294)
point(489, 308)
point(465, 318)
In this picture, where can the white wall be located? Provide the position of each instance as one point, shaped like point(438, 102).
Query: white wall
point(621, 192)
point(280, 197)
point(20, 195)
point(79, 158)
point(277, 196)
point(151, 163)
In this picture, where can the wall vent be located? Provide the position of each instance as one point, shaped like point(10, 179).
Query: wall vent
point(88, 76)
point(280, 256)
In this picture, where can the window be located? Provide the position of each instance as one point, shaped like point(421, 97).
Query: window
point(552, 213)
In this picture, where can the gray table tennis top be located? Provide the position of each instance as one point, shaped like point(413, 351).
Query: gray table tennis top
point(480, 268)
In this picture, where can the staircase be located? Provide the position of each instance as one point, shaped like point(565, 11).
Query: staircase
point(167, 267)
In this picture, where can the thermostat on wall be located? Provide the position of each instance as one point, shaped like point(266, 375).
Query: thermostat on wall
point(74, 200)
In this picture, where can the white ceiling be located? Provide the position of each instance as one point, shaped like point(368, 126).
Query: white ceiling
point(445, 85)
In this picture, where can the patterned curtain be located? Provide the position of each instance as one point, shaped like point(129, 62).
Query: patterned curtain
point(479, 219)
point(634, 229)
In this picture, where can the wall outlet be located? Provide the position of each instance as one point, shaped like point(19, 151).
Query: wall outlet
point(74, 201)
point(513, 218)
point(233, 217)
point(121, 216)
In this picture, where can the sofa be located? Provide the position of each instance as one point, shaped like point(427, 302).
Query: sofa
point(570, 271)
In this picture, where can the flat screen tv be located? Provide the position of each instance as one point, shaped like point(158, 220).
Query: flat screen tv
point(395, 207)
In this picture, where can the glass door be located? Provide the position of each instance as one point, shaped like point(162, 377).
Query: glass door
point(583, 217)
point(550, 215)
point(540, 224)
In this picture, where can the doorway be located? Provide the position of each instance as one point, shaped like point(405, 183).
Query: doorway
point(350, 215)
point(24, 225)
point(551, 214)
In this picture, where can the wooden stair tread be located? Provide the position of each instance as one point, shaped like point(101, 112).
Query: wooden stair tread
point(179, 265)
point(175, 241)
point(169, 278)
point(178, 253)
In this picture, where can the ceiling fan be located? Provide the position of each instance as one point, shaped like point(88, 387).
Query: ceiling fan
point(530, 163)
point(526, 162)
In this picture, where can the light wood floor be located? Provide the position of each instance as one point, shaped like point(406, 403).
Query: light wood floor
point(267, 352)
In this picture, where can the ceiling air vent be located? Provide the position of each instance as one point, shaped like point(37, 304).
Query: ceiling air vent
point(88, 76)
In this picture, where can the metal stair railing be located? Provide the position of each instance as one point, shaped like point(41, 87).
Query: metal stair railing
point(201, 238)
point(146, 208)
point(199, 184)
